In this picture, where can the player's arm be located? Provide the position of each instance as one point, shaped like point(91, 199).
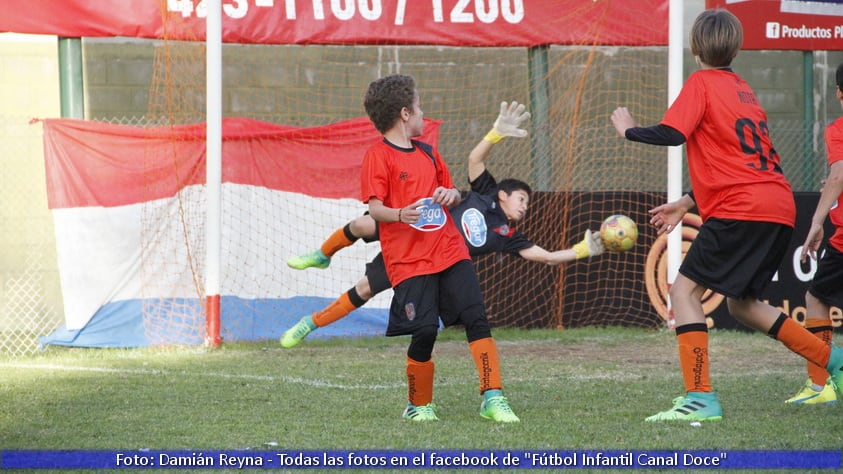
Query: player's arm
point(667, 216)
point(832, 187)
point(655, 135)
point(382, 213)
point(590, 246)
point(508, 124)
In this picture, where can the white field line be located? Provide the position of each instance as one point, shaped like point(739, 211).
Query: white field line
point(168, 373)
point(534, 378)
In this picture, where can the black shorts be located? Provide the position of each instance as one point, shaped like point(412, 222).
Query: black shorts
point(420, 301)
point(736, 258)
point(827, 285)
point(376, 274)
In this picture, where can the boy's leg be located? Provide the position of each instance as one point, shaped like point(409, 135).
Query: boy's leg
point(824, 292)
point(820, 327)
point(414, 311)
point(321, 258)
point(338, 309)
point(816, 390)
point(700, 402)
point(756, 314)
point(770, 320)
point(420, 368)
point(460, 293)
point(363, 227)
point(374, 282)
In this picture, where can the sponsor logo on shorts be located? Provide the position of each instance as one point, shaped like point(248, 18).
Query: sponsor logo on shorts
point(432, 218)
point(410, 310)
point(474, 228)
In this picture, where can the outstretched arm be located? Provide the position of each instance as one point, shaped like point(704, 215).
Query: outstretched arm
point(655, 135)
point(508, 124)
point(590, 246)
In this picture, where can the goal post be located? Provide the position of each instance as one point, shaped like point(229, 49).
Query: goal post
point(213, 182)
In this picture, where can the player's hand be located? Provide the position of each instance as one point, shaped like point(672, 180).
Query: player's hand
point(509, 121)
point(665, 217)
point(812, 242)
point(622, 120)
point(447, 197)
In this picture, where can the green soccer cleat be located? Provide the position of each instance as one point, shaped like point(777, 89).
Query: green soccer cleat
point(315, 259)
point(299, 331)
point(835, 369)
point(496, 407)
point(420, 413)
point(809, 396)
point(695, 406)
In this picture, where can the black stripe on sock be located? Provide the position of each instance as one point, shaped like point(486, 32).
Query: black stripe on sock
point(774, 330)
point(693, 327)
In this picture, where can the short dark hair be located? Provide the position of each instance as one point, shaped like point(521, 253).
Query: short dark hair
point(386, 97)
point(716, 37)
point(511, 185)
point(840, 77)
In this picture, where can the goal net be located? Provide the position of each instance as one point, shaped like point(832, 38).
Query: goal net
point(581, 172)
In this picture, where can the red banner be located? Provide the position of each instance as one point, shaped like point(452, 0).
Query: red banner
point(801, 25)
point(100, 164)
point(395, 22)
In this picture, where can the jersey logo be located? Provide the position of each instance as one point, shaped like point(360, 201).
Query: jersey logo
point(474, 227)
point(432, 218)
point(505, 230)
point(834, 205)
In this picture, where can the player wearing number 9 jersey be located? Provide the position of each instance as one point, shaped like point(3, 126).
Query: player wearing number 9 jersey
point(735, 171)
point(747, 208)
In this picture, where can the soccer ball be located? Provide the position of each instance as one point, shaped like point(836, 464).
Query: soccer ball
point(619, 233)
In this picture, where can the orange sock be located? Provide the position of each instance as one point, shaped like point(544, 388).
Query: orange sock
point(801, 341)
point(693, 358)
point(336, 241)
point(822, 329)
point(485, 354)
point(419, 382)
point(334, 311)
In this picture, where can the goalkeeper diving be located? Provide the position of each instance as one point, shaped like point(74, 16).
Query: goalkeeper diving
point(487, 217)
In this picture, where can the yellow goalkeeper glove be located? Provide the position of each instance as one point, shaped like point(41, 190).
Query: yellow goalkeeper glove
point(509, 120)
point(590, 246)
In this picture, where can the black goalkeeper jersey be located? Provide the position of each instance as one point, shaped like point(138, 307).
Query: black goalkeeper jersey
point(482, 222)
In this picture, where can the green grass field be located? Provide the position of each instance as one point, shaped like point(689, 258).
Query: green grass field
point(574, 390)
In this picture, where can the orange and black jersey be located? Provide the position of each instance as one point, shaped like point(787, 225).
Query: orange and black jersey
point(735, 171)
point(399, 177)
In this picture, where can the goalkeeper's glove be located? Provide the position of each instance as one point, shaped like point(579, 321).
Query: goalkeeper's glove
point(590, 246)
point(511, 117)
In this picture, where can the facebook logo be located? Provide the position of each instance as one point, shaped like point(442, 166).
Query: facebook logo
point(774, 29)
